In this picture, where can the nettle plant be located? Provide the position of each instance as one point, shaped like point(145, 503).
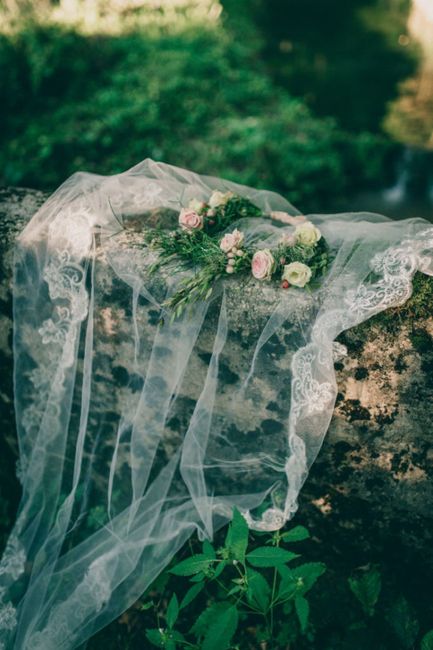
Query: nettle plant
point(265, 588)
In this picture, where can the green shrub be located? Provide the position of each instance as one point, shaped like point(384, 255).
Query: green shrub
point(194, 98)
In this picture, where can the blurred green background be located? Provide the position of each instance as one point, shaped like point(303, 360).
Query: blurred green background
point(329, 103)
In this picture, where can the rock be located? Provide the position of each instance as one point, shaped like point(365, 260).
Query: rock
point(369, 494)
point(16, 208)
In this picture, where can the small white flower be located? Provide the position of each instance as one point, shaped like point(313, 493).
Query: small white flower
point(297, 274)
point(230, 269)
point(307, 234)
point(218, 198)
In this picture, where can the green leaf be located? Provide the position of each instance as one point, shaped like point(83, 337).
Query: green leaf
point(220, 568)
point(146, 606)
point(302, 610)
point(207, 616)
point(307, 574)
point(268, 556)
point(155, 637)
point(297, 534)
point(172, 611)
point(237, 537)
point(191, 565)
point(427, 641)
point(258, 590)
point(208, 550)
point(169, 644)
point(198, 577)
point(403, 622)
point(366, 589)
point(288, 588)
point(221, 630)
point(191, 594)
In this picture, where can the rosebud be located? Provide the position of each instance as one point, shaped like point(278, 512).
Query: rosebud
point(285, 284)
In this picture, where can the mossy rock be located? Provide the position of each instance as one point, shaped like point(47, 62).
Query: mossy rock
point(373, 476)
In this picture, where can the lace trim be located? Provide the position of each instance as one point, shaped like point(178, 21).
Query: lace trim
point(396, 267)
point(66, 285)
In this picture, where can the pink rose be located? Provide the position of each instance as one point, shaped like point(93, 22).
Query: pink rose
point(190, 219)
point(232, 240)
point(262, 264)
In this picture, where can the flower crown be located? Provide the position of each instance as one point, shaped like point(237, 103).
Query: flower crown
point(296, 260)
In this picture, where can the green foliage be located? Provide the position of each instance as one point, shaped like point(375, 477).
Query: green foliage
point(266, 556)
point(366, 587)
point(427, 641)
point(239, 586)
point(297, 534)
point(403, 622)
point(236, 542)
point(102, 103)
point(221, 630)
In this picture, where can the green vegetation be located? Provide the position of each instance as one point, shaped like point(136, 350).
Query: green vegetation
point(186, 89)
point(254, 591)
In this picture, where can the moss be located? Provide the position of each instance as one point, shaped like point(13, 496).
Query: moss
point(417, 307)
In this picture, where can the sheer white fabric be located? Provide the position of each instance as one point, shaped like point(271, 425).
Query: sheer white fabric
point(134, 434)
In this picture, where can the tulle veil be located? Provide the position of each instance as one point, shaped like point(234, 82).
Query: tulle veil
point(136, 431)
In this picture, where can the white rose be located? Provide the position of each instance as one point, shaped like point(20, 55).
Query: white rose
point(262, 264)
point(307, 234)
point(297, 274)
point(218, 198)
point(196, 205)
point(232, 240)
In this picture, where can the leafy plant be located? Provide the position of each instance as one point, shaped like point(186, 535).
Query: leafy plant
point(427, 641)
point(239, 584)
point(366, 587)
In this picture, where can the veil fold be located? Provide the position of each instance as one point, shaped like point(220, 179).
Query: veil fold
point(133, 434)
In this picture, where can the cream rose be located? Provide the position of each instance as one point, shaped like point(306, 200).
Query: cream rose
point(297, 273)
point(218, 198)
point(196, 205)
point(307, 234)
point(262, 264)
point(190, 219)
point(231, 240)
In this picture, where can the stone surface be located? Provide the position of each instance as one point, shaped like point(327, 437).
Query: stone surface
point(369, 494)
